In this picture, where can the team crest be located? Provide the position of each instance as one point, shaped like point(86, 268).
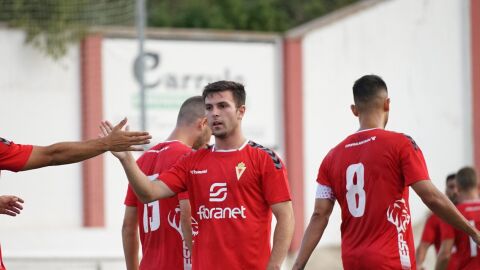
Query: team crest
point(240, 169)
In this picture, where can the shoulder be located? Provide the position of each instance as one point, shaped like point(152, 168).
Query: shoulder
point(266, 153)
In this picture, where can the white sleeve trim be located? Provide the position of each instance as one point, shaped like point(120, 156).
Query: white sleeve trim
point(324, 192)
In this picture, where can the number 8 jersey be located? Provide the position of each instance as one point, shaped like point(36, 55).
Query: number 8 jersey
point(369, 174)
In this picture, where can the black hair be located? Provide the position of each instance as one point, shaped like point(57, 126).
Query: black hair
point(237, 89)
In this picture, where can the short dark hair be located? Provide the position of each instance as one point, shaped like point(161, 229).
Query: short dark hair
point(191, 110)
point(450, 177)
point(237, 89)
point(466, 179)
point(366, 88)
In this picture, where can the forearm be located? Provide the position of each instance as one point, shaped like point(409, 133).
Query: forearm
point(312, 236)
point(71, 152)
point(186, 222)
point(421, 253)
point(282, 239)
point(140, 183)
point(130, 249)
point(442, 262)
point(187, 231)
point(64, 153)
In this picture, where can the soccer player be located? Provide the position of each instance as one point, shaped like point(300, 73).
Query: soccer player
point(431, 232)
point(234, 186)
point(161, 222)
point(369, 174)
point(466, 256)
point(18, 157)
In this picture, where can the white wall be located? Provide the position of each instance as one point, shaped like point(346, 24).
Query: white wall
point(39, 105)
point(420, 48)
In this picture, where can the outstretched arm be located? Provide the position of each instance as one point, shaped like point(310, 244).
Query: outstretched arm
point(444, 208)
point(71, 152)
point(282, 237)
point(314, 231)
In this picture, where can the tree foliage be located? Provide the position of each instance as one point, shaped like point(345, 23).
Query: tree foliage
point(256, 15)
point(51, 25)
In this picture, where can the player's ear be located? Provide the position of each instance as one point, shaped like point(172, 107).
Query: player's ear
point(241, 111)
point(386, 105)
point(354, 109)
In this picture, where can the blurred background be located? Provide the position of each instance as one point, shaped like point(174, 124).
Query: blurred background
point(67, 65)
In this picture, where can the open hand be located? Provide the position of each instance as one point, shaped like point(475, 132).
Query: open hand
point(117, 139)
point(10, 205)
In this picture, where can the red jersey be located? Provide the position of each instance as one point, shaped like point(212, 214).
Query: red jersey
point(231, 193)
point(159, 221)
point(467, 255)
point(432, 235)
point(369, 174)
point(13, 157)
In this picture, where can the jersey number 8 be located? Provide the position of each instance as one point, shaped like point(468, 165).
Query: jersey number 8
point(356, 189)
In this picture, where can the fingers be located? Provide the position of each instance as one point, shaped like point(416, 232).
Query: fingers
point(120, 125)
point(140, 140)
point(103, 129)
point(110, 126)
point(7, 212)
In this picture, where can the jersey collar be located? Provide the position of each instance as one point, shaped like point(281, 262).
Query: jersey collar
point(230, 150)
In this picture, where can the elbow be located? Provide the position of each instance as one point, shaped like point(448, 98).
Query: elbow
point(146, 198)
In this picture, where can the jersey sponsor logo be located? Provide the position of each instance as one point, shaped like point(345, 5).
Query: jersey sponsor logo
point(5, 141)
point(218, 192)
point(371, 139)
point(398, 215)
point(221, 213)
point(199, 171)
point(174, 222)
point(240, 169)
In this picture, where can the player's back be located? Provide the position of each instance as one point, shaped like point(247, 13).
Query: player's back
point(467, 255)
point(369, 173)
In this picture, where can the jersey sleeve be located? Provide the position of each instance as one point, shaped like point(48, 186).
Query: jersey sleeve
point(428, 235)
point(176, 177)
point(323, 177)
point(13, 157)
point(131, 197)
point(412, 162)
point(183, 196)
point(274, 179)
point(446, 231)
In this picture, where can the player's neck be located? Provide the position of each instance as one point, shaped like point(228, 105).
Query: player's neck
point(371, 121)
point(466, 196)
point(182, 135)
point(235, 140)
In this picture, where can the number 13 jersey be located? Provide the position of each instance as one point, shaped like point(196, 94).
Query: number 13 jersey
point(369, 174)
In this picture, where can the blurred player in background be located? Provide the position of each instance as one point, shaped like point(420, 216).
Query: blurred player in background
point(234, 186)
point(431, 232)
point(18, 157)
point(164, 245)
point(467, 252)
point(369, 174)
